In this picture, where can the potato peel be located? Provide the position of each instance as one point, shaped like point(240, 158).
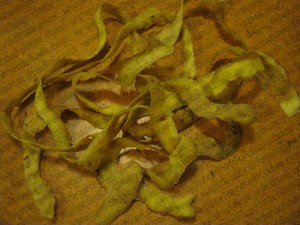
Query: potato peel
point(42, 195)
point(167, 174)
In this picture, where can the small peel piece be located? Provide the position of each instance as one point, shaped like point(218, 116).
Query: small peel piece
point(167, 174)
point(121, 186)
point(290, 102)
point(42, 195)
point(165, 203)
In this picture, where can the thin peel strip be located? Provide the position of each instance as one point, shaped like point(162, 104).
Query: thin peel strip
point(42, 195)
point(54, 123)
point(189, 64)
point(290, 103)
point(230, 72)
point(129, 69)
point(102, 33)
point(144, 20)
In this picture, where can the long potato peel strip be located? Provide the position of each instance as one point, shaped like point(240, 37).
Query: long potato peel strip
point(171, 103)
point(165, 203)
point(54, 123)
point(129, 69)
point(102, 33)
point(191, 92)
point(167, 38)
point(42, 195)
point(121, 186)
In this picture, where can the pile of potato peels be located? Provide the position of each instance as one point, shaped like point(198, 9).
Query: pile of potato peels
point(139, 149)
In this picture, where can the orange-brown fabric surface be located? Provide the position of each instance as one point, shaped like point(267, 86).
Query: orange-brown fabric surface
point(259, 184)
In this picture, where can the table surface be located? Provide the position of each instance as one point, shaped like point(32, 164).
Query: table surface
point(259, 184)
